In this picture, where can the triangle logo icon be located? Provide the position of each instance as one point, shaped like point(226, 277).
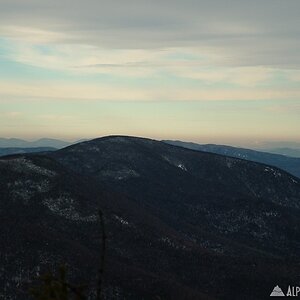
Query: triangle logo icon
point(277, 292)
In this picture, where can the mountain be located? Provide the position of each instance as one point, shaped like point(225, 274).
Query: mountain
point(9, 151)
point(181, 224)
point(289, 164)
point(287, 148)
point(285, 151)
point(44, 142)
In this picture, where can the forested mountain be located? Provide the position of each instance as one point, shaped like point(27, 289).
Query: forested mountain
point(181, 224)
point(289, 164)
point(10, 151)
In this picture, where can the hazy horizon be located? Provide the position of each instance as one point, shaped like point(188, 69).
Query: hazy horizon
point(223, 72)
point(255, 145)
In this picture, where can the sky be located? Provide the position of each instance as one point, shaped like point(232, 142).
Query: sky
point(218, 71)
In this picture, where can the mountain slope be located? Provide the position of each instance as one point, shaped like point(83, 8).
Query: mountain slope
point(284, 151)
point(226, 205)
point(181, 224)
point(289, 164)
point(48, 217)
point(10, 151)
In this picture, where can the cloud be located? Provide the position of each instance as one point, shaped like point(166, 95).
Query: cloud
point(239, 32)
point(57, 117)
point(154, 50)
point(159, 92)
point(82, 58)
point(12, 114)
point(240, 76)
point(286, 109)
point(32, 34)
point(180, 63)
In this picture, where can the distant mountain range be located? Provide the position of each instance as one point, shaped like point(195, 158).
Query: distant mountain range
point(45, 142)
point(181, 224)
point(293, 151)
point(289, 164)
point(284, 151)
point(281, 147)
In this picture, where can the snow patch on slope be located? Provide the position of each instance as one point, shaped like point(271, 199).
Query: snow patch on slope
point(64, 206)
point(175, 162)
point(120, 174)
point(276, 173)
point(121, 220)
point(27, 189)
point(182, 167)
point(25, 165)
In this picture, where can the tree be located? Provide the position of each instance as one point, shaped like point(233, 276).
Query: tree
point(58, 288)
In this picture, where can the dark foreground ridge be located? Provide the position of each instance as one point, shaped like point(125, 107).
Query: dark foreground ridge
point(289, 164)
point(11, 151)
point(181, 224)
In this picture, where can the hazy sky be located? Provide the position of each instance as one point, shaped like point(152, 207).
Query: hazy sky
point(223, 71)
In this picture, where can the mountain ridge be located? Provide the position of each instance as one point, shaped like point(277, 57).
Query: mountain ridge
point(181, 224)
point(289, 164)
point(12, 151)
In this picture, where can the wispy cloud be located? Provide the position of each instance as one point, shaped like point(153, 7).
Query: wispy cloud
point(12, 114)
point(160, 92)
point(286, 108)
point(243, 32)
point(230, 56)
point(141, 63)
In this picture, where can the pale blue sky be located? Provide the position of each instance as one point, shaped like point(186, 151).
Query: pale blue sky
point(218, 71)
